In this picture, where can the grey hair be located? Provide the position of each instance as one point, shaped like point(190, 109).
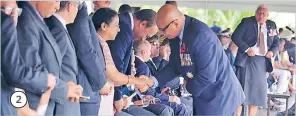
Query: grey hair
point(261, 6)
point(139, 46)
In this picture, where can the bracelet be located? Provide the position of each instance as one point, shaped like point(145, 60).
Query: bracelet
point(128, 79)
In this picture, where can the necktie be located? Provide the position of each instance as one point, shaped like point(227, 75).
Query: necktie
point(261, 43)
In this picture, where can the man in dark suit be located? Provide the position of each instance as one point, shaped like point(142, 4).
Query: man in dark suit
point(132, 26)
point(14, 72)
point(198, 56)
point(257, 41)
point(142, 51)
point(39, 50)
point(69, 67)
point(91, 62)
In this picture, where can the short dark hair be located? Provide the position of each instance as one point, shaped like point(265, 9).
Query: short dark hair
point(280, 30)
point(146, 15)
point(125, 8)
point(171, 2)
point(103, 15)
point(165, 42)
point(154, 37)
point(63, 5)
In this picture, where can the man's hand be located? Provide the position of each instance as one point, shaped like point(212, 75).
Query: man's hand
point(175, 99)
point(118, 105)
point(51, 82)
point(165, 90)
point(148, 80)
point(251, 52)
point(75, 91)
point(269, 54)
point(141, 81)
point(163, 52)
point(139, 102)
point(133, 69)
point(142, 88)
point(106, 90)
point(126, 101)
point(292, 70)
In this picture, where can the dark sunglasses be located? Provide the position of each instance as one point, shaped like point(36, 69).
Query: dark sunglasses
point(166, 27)
point(154, 43)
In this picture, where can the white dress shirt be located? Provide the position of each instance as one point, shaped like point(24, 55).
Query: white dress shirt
point(255, 47)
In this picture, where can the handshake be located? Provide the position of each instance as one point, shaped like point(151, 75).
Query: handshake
point(74, 90)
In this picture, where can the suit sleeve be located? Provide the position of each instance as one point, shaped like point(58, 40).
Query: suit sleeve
point(168, 73)
point(237, 37)
point(153, 93)
point(29, 47)
point(142, 70)
point(162, 64)
point(80, 32)
point(60, 38)
point(206, 62)
point(275, 44)
point(13, 65)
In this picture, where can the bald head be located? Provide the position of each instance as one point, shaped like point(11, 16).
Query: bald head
point(170, 20)
point(142, 49)
point(167, 13)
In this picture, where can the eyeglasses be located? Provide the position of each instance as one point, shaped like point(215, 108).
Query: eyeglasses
point(166, 27)
point(12, 11)
point(154, 43)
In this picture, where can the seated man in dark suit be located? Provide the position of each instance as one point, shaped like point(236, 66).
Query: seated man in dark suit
point(143, 51)
point(158, 60)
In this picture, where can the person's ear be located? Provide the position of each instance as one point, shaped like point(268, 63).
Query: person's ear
point(176, 23)
point(143, 52)
point(104, 26)
point(143, 24)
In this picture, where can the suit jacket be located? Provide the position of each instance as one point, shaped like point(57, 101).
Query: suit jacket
point(14, 72)
point(231, 58)
point(210, 79)
point(91, 62)
point(121, 49)
point(69, 67)
point(291, 48)
point(246, 36)
point(156, 64)
point(143, 69)
point(40, 51)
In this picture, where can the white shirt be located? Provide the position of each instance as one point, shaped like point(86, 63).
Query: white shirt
point(132, 20)
point(140, 58)
point(255, 48)
point(61, 19)
point(153, 63)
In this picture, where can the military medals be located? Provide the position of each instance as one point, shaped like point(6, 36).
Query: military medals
point(189, 75)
